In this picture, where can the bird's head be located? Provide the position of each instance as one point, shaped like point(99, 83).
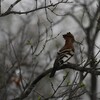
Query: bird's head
point(69, 36)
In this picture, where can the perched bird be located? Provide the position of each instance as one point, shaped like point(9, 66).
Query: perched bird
point(67, 51)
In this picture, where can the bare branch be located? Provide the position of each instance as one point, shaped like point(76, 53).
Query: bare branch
point(26, 12)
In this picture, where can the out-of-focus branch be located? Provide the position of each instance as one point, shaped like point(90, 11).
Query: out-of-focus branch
point(32, 85)
point(33, 10)
point(12, 5)
point(0, 7)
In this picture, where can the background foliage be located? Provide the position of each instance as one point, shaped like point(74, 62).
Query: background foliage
point(30, 36)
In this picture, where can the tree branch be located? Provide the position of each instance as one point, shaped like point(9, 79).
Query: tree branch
point(69, 65)
point(8, 12)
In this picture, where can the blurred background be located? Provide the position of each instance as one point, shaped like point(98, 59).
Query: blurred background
point(30, 37)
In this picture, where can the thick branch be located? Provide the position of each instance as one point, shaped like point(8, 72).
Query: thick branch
point(81, 69)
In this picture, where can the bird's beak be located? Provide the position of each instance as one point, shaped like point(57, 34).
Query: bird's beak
point(80, 43)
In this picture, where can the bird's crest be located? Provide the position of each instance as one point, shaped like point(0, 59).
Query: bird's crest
point(68, 35)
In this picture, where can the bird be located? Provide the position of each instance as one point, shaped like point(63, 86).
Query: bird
point(67, 51)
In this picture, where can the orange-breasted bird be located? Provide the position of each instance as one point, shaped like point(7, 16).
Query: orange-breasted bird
point(67, 51)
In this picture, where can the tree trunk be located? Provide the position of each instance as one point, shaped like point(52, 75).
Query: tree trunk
point(93, 95)
point(2, 84)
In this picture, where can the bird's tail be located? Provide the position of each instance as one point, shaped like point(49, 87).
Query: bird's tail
point(54, 68)
point(52, 73)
